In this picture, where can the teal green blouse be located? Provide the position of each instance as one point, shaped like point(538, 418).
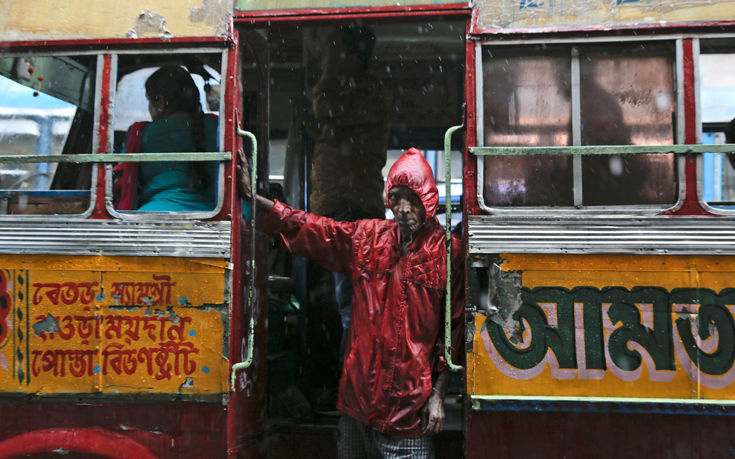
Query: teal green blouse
point(177, 186)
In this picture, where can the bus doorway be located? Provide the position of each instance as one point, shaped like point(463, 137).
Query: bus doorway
point(333, 122)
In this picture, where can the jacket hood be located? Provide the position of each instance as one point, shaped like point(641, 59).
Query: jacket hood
point(412, 171)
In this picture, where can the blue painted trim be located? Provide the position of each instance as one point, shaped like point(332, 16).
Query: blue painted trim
point(577, 406)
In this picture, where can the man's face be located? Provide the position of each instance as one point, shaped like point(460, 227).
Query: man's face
point(408, 210)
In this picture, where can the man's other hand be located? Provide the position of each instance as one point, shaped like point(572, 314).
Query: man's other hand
point(432, 415)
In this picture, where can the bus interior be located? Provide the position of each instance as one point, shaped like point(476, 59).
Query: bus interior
point(422, 66)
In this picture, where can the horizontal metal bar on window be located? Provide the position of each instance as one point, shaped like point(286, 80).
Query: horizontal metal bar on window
point(602, 150)
point(117, 157)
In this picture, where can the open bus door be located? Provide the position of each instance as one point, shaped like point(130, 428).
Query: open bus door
point(420, 63)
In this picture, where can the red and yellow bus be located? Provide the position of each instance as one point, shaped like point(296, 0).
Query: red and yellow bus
point(579, 146)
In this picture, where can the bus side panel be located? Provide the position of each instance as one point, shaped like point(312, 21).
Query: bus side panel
point(580, 352)
point(582, 435)
point(120, 350)
point(112, 325)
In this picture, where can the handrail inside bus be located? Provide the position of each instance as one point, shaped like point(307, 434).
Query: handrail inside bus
point(251, 290)
point(603, 150)
point(448, 219)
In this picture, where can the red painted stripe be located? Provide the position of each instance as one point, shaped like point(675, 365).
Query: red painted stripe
point(470, 161)
point(111, 43)
point(102, 129)
point(85, 441)
point(353, 10)
point(690, 107)
point(595, 30)
point(326, 14)
point(232, 100)
point(690, 206)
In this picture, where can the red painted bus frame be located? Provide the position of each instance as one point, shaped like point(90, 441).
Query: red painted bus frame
point(690, 205)
point(111, 44)
point(366, 12)
point(103, 123)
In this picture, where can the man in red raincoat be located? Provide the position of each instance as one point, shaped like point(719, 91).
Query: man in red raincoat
point(394, 377)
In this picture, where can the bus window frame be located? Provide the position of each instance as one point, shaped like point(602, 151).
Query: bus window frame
point(136, 215)
point(96, 111)
point(697, 52)
point(642, 210)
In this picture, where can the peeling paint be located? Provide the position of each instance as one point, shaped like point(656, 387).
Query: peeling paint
point(48, 325)
point(470, 330)
point(504, 299)
point(213, 12)
point(147, 22)
point(187, 384)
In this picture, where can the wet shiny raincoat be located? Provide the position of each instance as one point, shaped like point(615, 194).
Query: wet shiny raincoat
point(395, 343)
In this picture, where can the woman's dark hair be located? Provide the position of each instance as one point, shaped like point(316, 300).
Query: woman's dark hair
point(177, 89)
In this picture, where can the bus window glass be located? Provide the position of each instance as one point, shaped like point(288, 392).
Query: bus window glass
point(527, 103)
point(167, 105)
point(46, 109)
point(627, 98)
point(717, 85)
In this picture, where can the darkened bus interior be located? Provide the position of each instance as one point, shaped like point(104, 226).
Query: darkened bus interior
point(421, 66)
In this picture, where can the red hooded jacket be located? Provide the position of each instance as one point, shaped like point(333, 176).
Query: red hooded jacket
point(395, 344)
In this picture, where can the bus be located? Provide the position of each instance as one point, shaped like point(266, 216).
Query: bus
point(579, 147)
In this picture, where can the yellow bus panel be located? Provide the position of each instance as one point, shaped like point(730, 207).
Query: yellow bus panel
point(520, 14)
point(112, 325)
point(76, 19)
point(607, 326)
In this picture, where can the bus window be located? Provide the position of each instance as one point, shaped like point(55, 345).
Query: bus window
point(578, 96)
point(717, 86)
point(627, 98)
point(167, 104)
point(46, 109)
point(527, 102)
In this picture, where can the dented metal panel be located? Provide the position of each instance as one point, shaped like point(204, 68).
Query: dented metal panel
point(76, 19)
point(110, 238)
point(515, 14)
point(98, 325)
point(603, 327)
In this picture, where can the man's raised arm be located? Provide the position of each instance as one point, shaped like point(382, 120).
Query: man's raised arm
point(320, 239)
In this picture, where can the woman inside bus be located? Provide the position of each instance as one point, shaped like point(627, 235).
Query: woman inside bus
point(179, 125)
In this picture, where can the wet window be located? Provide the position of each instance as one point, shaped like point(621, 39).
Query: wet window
point(527, 102)
point(167, 104)
point(621, 96)
point(46, 109)
point(717, 96)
